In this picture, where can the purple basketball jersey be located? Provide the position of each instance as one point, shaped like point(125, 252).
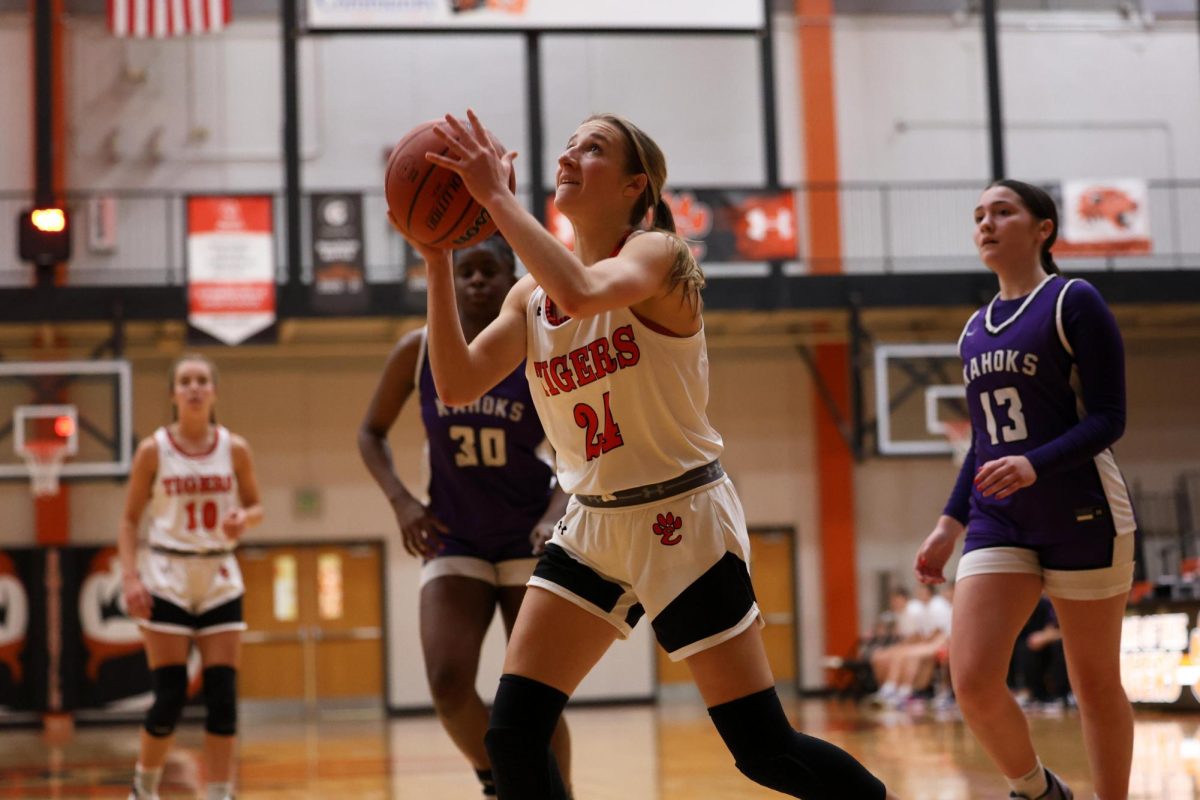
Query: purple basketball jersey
point(1020, 373)
point(487, 482)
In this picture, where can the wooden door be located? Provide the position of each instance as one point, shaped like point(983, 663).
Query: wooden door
point(315, 614)
point(773, 562)
point(772, 571)
point(349, 622)
point(273, 649)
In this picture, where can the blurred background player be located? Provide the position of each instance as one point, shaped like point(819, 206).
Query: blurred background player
point(1040, 496)
point(616, 357)
point(199, 481)
point(492, 503)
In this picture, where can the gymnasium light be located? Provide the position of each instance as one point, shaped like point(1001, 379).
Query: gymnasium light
point(44, 236)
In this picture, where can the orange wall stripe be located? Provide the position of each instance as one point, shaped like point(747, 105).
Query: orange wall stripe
point(834, 461)
point(814, 44)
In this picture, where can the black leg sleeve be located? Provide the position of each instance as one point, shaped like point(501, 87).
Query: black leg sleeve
point(524, 715)
point(771, 753)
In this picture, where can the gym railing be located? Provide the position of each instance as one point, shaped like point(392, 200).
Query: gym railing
point(887, 229)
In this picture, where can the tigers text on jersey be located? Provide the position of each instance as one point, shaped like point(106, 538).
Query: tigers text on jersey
point(192, 494)
point(1021, 380)
point(622, 404)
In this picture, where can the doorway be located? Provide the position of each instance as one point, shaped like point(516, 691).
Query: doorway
point(315, 613)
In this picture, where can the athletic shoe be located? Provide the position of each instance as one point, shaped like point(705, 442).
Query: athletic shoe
point(1056, 790)
point(134, 795)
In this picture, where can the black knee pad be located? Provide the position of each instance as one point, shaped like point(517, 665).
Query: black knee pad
point(220, 700)
point(524, 715)
point(170, 695)
point(770, 752)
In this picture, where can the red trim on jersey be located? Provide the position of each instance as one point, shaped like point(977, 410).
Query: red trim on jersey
point(556, 318)
point(179, 448)
point(656, 327)
point(621, 243)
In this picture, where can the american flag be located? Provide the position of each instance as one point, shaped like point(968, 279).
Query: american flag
point(158, 19)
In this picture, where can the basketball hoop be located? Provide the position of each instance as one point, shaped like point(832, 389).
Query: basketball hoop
point(958, 433)
point(44, 459)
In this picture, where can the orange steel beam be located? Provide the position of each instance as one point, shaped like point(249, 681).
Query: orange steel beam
point(834, 461)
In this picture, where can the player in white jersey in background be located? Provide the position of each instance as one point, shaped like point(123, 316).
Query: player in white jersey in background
point(613, 339)
point(198, 480)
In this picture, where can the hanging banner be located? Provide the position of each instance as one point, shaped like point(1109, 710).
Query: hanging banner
point(722, 15)
point(24, 666)
point(338, 285)
point(231, 266)
point(1104, 218)
point(721, 225)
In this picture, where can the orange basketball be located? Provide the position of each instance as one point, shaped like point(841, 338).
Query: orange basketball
point(428, 203)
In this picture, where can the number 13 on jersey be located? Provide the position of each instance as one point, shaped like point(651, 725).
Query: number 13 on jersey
point(598, 441)
point(1009, 399)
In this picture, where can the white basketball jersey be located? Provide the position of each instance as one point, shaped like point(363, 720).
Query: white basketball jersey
point(192, 494)
point(623, 405)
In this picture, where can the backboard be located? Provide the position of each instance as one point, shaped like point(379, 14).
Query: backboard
point(918, 389)
point(91, 403)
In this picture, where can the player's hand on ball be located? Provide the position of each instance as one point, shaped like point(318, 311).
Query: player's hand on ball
point(137, 599)
point(420, 530)
point(476, 156)
point(1005, 476)
point(433, 257)
point(936, 551)
point(234, 524)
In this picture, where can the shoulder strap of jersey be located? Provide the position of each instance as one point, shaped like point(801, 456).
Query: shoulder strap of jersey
point(1058, 316)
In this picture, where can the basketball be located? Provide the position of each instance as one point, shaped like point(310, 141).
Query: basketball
point(429, 204)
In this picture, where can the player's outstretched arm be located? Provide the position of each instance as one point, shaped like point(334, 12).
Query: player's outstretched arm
point(462, 373)
point(638, 273)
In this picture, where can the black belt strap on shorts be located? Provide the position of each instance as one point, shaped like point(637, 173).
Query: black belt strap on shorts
point(169, 551)
point(653, 492)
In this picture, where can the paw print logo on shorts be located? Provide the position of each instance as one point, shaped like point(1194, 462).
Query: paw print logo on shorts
point(666, 526)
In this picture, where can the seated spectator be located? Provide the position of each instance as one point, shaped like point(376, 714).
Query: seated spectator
point(856, 675)
point(1038, 671)
point(909, 667)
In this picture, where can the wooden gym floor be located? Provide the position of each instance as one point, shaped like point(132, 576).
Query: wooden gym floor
point(664, 752)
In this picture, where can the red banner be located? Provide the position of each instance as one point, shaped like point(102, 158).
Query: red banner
point(231, 266)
